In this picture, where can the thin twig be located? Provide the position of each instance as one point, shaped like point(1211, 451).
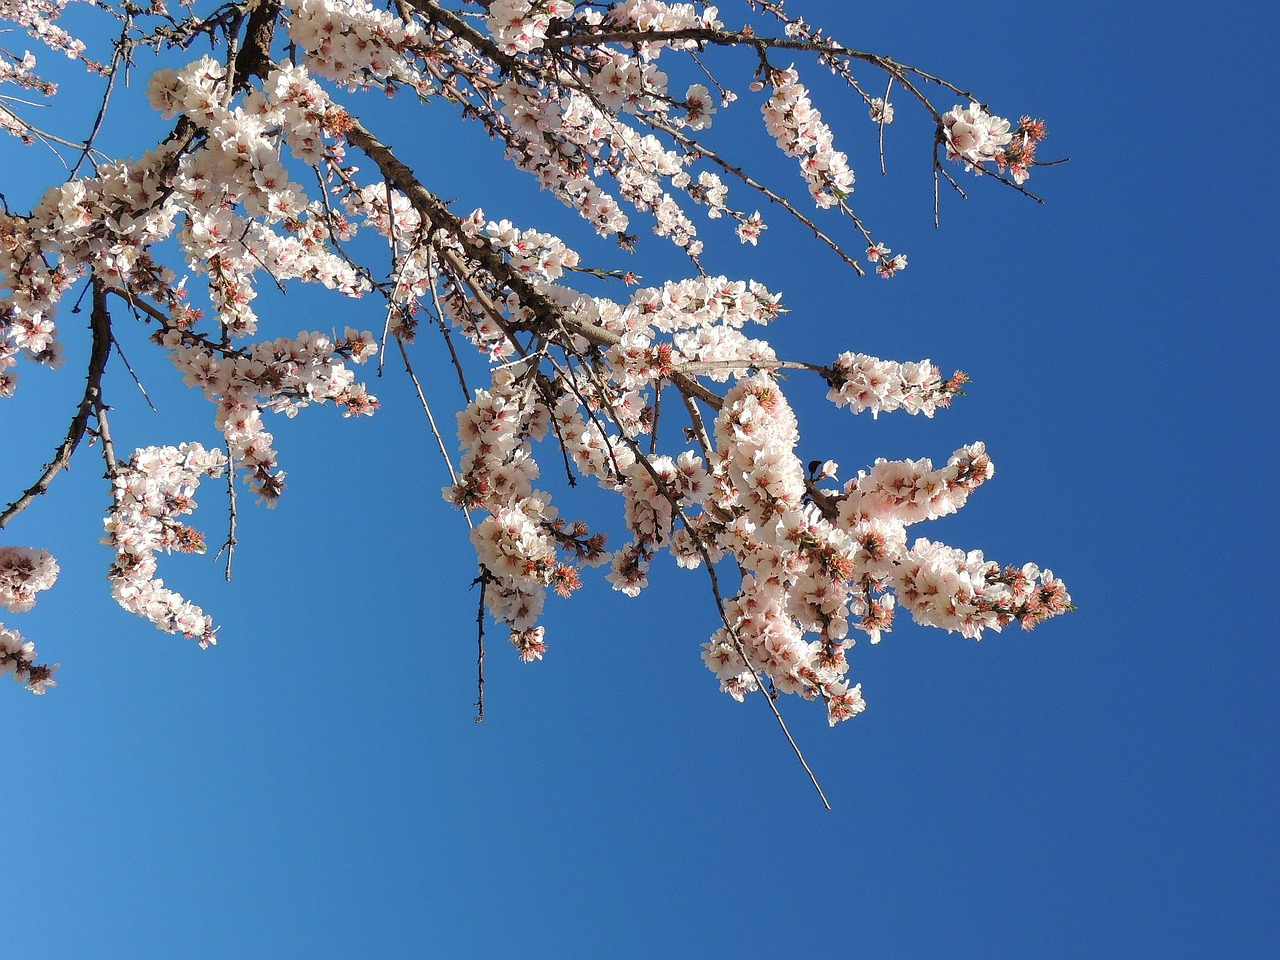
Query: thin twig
point(128, 366)
point(884, 170)
point(435, 431)
point(444, 330)
point(116, 58)
point(483, 580)
point(737, 645)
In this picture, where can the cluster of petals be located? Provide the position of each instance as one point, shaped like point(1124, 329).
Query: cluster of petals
point(797, 126)
point(628, 84)
point(1019, 156)
point(520, 540)
point(861, 382)
point(354, 42)
point(816, 565)
point(570, 134)
point(655, 16)
point(639, 163)
point(39, 18)
point(236, 187)
point(555, 136)
point(756, 434)
point(18, 659)
point(973, 135)
point(805, 575)
point(964, 593)
point(653, 491)
point(520, 26)
point(802, 577)
point(283, 375)
point(151, 492)
point(887, 266)
point(909, 491)
point(24, 572)
point(227, 195)
point(699, 302)
point(531, 252)
point(774, 644)
point(20, 72)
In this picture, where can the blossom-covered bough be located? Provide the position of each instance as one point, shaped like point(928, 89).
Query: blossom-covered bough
point(662, 395)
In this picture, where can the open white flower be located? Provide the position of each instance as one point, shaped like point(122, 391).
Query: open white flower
point(973, 135)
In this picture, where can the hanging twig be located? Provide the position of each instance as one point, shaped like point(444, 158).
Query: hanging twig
point(128, 366)
point(431, 420)
point(230, 545)
point(483, 580)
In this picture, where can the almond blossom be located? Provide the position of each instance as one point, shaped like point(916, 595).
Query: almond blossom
point(973, 135)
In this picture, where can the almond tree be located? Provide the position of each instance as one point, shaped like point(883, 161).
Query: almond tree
point(660, 394)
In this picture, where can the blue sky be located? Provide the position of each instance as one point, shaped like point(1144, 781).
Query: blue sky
point(1103, 787)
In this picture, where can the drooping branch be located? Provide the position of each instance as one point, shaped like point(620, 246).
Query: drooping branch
point(99, 352)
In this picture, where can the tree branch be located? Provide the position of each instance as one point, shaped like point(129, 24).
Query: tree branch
point(100, 351)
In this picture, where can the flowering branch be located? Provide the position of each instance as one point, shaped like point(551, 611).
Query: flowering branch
point(580, 99)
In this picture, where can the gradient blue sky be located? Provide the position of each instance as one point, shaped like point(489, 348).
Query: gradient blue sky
point(1104, 787)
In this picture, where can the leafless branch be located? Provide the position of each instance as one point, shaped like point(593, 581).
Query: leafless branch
point(100, 351)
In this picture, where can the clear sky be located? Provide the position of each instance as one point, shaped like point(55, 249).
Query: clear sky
point(1103, 787)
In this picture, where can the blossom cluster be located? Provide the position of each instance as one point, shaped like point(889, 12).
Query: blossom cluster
point(283, 375)
point(817, 565)
point(565, 128)
point(520, 541)
point(20, 71)
point(703, 317)
point(150, 492)
point(819, 561)
point(24, 572)
point(521, 25)
point(797, 126)
point(656, 16)
point(973, 135)
point(1019, 156)
point(861, 382)
point(962, 592)
point(18, 657)
point(531, 252)
point(908, 491)
point(803, 573)
point(240, 166)
point(887, 266)
point(565, 140)
point(33, 285)
point(227, 195)
point(355, 43)
point(977, 138)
